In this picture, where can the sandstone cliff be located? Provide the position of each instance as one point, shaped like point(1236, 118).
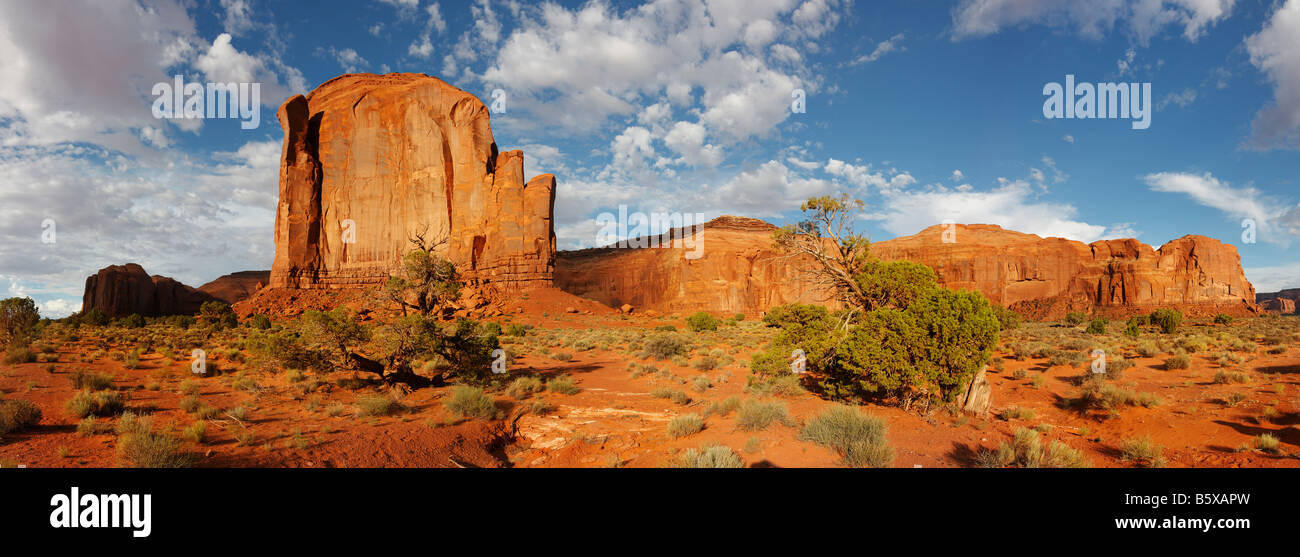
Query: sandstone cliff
point(121, 290)
point(369, 160)
point(1282, 302)
point(1043, 278)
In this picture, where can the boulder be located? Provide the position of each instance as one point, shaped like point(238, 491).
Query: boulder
point(369, 161)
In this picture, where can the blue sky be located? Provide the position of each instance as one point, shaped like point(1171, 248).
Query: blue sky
point(926, 110)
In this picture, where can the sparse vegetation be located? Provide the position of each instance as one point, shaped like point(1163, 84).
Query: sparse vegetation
point(857, 437)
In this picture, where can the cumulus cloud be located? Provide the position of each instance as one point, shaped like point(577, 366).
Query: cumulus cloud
point(224, 63)
point(1275, 50)
point(1274, 219)
point(1012, 205)
point(1143, 19)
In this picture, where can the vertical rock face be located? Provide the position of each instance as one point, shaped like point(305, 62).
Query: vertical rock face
point(369, 160)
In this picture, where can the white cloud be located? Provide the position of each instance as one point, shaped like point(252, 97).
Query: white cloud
point(238, 17)
point(1182, 98)
point(1274, 278)
point(348, 59)
point(222, 62)
point(688, 140)
point(1275, 50)
point(422, 47)
point(766, 191)
point(1012, 206)
point(862, 176)
point(883, 48)
point(1067, 138)
point(1272, 217)
point(1143, 19)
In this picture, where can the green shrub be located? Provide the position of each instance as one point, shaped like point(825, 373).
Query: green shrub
point(711, 456)
point(17, 415)
point(1167, 319)
point(1142, 451)
point(1075, 318)
point(675, 395)
point(1268, 443)
point(702, 321)
point(472, 402)
point(1096, 327)
point(689, 424)
point(722, 407)
point(1222, 319)
point(1007, 318)
point(858, 438)
point(150, 449)
point(259, 322)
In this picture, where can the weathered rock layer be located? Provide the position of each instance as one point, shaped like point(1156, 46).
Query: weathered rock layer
point(1043, 278)
point(1282, 302)
point(369, 161)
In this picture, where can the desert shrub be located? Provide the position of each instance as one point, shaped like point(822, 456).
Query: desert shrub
point(1148, 349)
point(675, 395)
point(19, 355)
point(689, 424)
point(706, 363)
point(471, 402)
point(562, 356)
point(1075, 318)
point(1222, 319)
point(95, 403)
point(82, 379)
point(379, 405)
point(1017, 413)
point(804, 327)
point(133, 321)
point(709, 456)
point(1167, 319)
point(1132, 330)
point(664, 346)
point(1007, 318)
point(755, 415)
point(195, 431)
point(562, 385)
point(738, 317)
point(701, 384)
point(1142, 451)
point(722, 407)
point(933, 347)
point(259, 322)
point(144, 448)
point(216, 314)
point(1268, 443)
point(17, 415)
point(1097, 327)
point(516, 330)
point(521, 387)
point(858, 438)
point(702, 321)
point(1100, 395)
point(1224, 377)
point(18, 319)
point(1178, 361)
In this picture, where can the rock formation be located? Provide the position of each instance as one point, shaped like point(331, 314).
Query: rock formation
point(1043, 278)
point(370, 160)
point(121, 290)
point(234, 287)
point(738, 271)
point(1281, 302)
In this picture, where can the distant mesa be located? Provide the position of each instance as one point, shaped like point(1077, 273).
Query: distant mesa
point(121, 290)
point(1042, 278)
point(1282, 302)
point(370, 160)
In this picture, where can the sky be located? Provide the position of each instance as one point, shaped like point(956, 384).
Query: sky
point(928, 111)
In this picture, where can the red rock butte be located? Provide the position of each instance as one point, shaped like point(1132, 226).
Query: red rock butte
point(370, 160)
